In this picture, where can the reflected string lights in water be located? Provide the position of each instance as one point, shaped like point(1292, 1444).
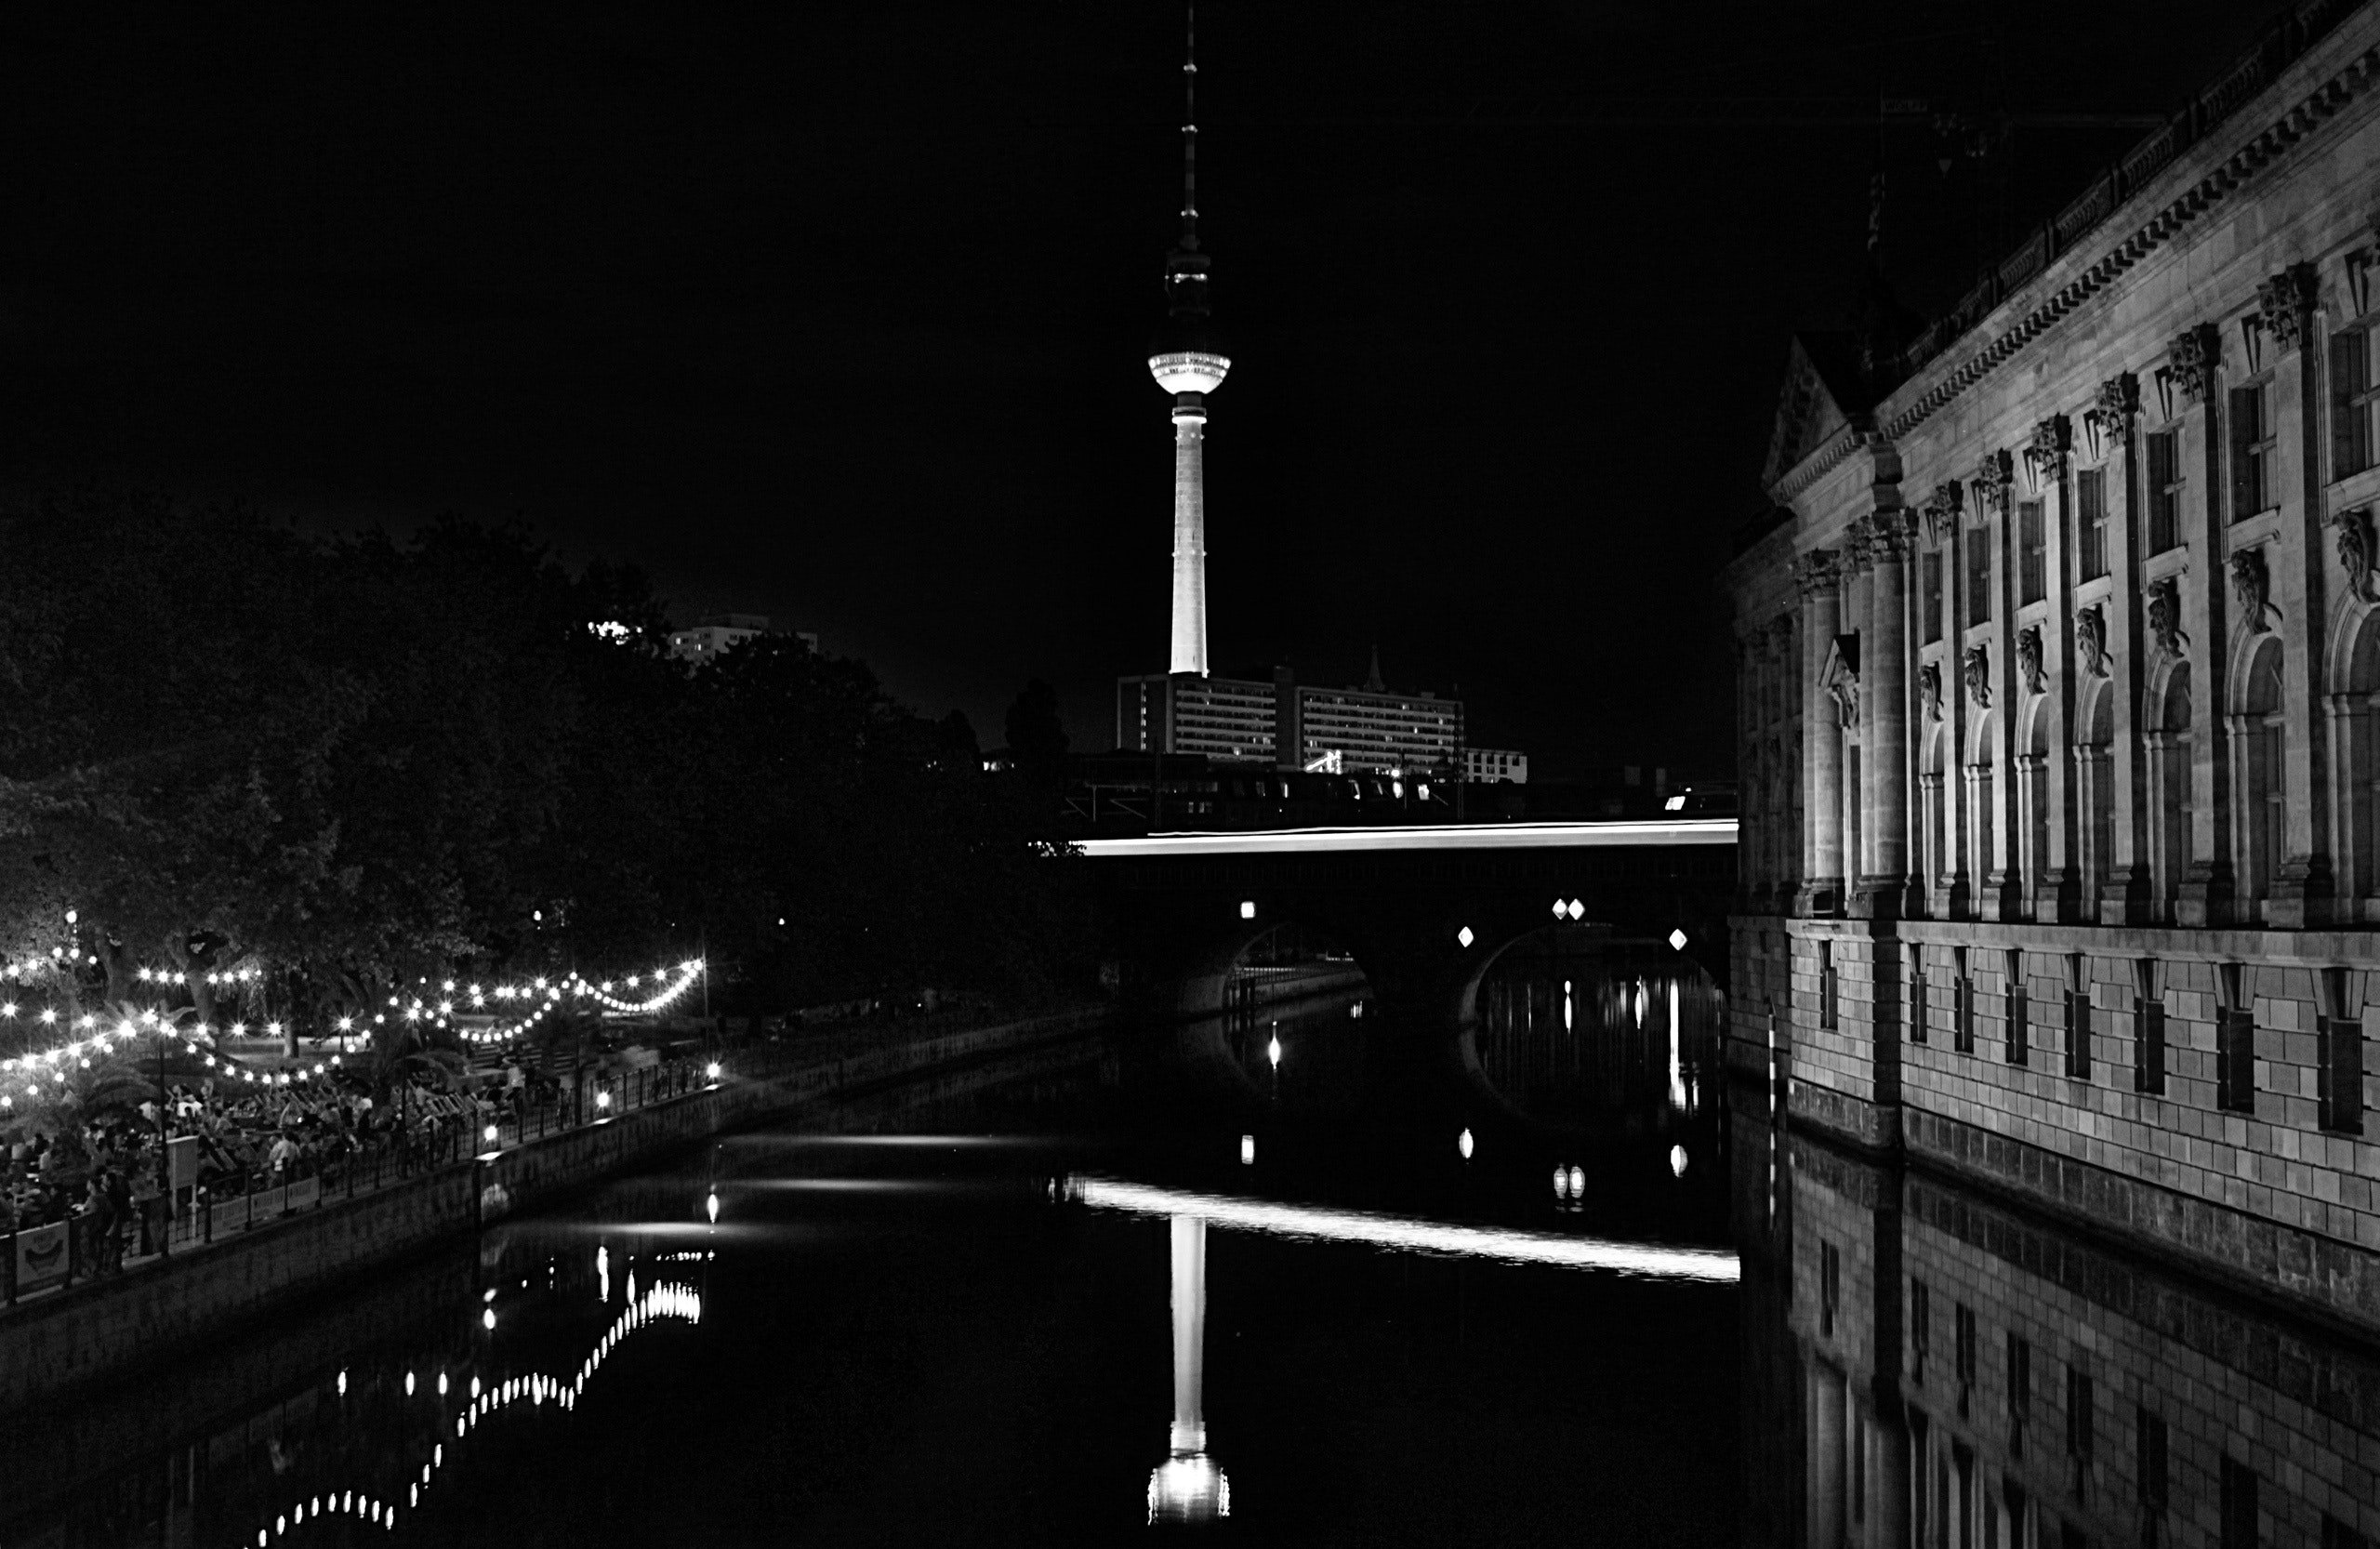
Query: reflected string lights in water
point(672, 1301)
point(1645, 1260)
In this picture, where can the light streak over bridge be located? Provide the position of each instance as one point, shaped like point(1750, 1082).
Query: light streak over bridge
point(1634, 834)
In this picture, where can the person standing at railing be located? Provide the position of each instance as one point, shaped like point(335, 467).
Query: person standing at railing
point(103, 1228)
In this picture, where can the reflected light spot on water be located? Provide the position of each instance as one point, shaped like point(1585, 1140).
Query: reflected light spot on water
point(1649, 1260)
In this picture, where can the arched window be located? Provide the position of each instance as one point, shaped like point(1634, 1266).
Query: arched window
point(2032, 768)
point(2169, 786)
point(1983, 825)
point(1936, 866)
point(2095, 782)
point(2355, 711)
point(2263, 829)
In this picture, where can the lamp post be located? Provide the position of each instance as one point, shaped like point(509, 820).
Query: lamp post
point(165, 1153)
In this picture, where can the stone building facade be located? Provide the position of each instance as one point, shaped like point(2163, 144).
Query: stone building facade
point(2060, 700)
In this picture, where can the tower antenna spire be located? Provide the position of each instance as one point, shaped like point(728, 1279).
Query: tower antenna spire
point(1190, 127)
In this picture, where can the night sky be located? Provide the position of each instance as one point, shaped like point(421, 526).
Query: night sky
point(838, 312)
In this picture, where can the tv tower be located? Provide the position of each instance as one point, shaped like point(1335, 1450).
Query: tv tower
point(1188, 365)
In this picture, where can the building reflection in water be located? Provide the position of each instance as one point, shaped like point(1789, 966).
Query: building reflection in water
point(1188, 1486)
point(1925, 1366)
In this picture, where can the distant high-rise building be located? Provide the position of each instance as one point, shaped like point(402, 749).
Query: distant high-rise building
point(1288, 724)
point(710, 638)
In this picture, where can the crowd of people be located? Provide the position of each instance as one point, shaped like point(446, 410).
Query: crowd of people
point(237, 1138)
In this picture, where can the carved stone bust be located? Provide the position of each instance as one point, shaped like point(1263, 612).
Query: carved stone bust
point(2029, 659)
point(1929, 689)
point(2091, 639)
point(2166, 616)
point(2252, 587)
point(2352, 533)
point(1974, 671)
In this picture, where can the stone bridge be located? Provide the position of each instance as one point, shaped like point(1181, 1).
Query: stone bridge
point(1424, 911)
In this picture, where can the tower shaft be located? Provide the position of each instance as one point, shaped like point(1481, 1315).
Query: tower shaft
point(1189, 652)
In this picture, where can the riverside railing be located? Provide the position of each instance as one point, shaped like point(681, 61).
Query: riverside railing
point(71, 1254)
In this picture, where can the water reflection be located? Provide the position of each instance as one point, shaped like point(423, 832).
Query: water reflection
point(1926, 1365)
point(1314, 1224)
point(1573, 1028)
point(1188, 1486)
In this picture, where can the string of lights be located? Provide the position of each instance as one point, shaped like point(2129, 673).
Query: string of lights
point(666, 984)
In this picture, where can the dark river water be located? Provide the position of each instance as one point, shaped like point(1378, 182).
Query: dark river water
point(1172, 1283)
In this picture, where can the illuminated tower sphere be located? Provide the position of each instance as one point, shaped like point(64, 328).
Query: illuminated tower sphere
point(1189, 365)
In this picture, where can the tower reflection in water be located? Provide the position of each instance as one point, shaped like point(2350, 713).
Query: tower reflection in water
point(1925, 1366)
point(1188, 1486)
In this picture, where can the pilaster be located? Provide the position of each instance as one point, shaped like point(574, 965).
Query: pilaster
point(1818, 577)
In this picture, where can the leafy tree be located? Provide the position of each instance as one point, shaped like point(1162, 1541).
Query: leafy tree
point(1036, 738)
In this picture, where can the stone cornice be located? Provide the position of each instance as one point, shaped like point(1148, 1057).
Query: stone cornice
point(2255, 152)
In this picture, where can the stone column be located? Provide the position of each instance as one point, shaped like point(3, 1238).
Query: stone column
point(1858, 832)
point(1819, 574)
point(2195, 360)
point(2119, 638)
point(1883, 711)
point(2303, 881)
point(2000, 884)
point(1785, 765)
point(2055, 884)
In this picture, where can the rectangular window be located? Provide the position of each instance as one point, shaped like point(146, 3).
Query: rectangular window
point(2147, 1029)
point(2340, 1044)
point(2238, 1506)
point(2235, 1043)
point(2019, 1010)
point(2078, 1017)
point(1921, 1329)
point(1963, 1351)
point(2165, 491)
point(1961, 1004)
point(1829, 1287)
point(2020, 1393)
point(2355, 398)
point(2255, 485)
point(1825, 983)
point(1931, 595)
point(2091, 520)
point(1917, 1003)
point(1978, 545)
point(2033, 552)
point(2149, 1466)
point(2080, 1438)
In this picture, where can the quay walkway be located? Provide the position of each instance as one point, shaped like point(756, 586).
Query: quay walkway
point(65, 1323)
